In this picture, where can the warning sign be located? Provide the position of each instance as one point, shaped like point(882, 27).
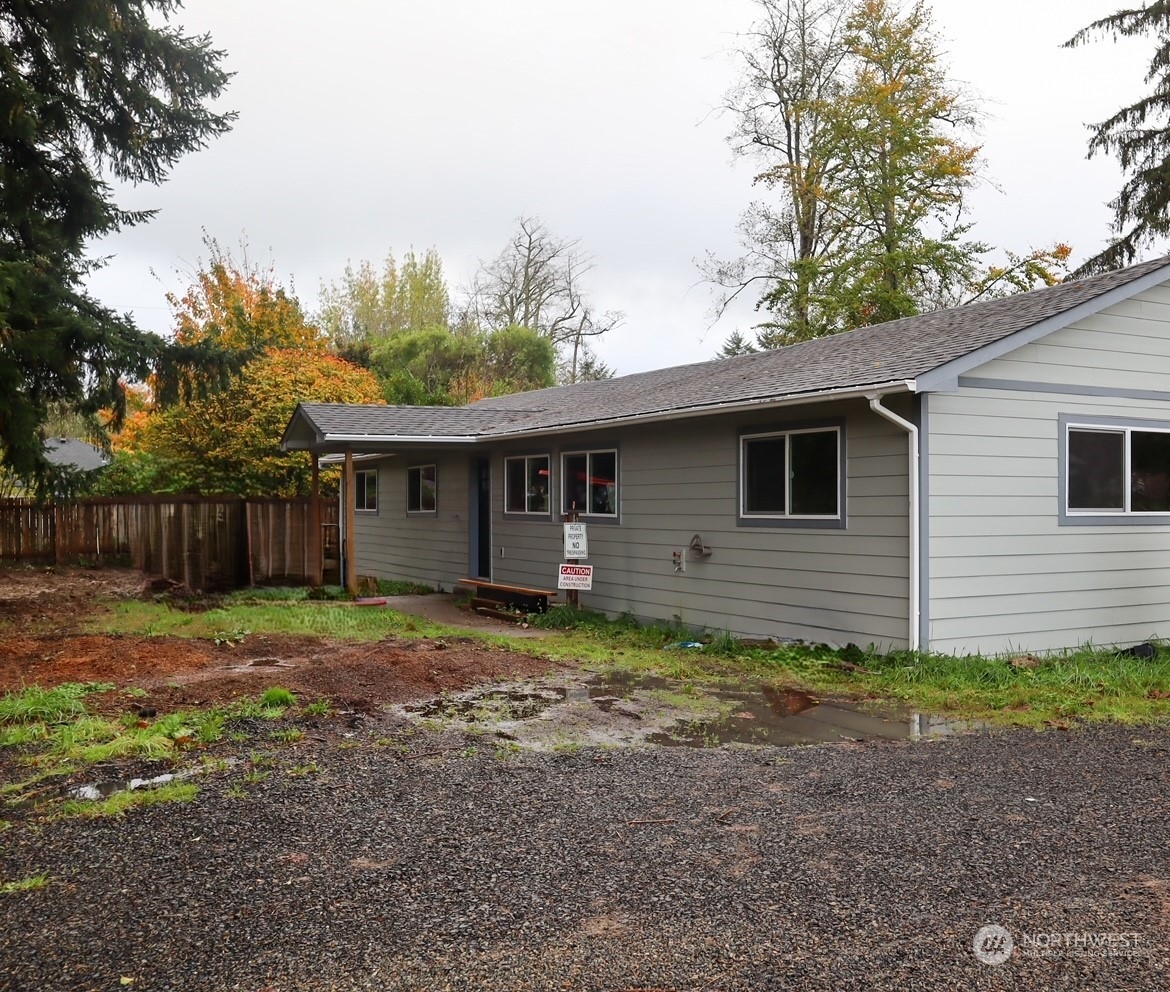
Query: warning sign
point(576, 543)
point(575, 577)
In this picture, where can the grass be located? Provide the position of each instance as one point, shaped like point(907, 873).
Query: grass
point(29, 884)
point(120, 803)
point(306, 618)
point(1089, 684)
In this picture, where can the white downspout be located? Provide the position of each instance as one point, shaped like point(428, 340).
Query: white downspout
point(875, 404)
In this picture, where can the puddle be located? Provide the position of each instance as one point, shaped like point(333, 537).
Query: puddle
point(93, 791)
point(624, 708)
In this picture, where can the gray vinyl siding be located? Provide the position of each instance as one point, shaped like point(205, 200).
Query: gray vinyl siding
point(1004, 574)
point(430, 548)
point(677, 480)
point(1126, 346)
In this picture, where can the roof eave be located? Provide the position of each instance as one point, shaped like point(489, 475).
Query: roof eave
point(945, 378)
point(711, 409)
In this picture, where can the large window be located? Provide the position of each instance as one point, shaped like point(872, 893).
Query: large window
point(789, 475)
point(1117, 470)
point(365, 489)
point(526, 485)
point(422, 489)
point(589, 483)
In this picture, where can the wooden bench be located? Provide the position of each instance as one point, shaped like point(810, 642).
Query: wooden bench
point(500, 599)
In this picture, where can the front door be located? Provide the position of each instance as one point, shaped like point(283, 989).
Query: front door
point(481, 518)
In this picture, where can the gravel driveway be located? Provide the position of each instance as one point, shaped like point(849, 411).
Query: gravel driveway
point(829, 867)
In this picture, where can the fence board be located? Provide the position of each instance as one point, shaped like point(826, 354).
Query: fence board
point(203, 542)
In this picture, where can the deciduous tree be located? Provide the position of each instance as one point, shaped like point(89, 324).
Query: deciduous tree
point(88, 91)
point(868, 148)
point(537, 282)
point(368, 306)
point(240, 306)
point(229, 442)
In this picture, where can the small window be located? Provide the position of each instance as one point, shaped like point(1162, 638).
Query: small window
point(791, 474)
point(421, 489)
point(365, 488)
point(526, 485)
point(1118, 470)
point(589, 483)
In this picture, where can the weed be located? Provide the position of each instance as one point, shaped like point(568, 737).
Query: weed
point(254, 776)
point(395, 587)
point(278, 696)
point(209, 726)
point(29, 884)
point(225, 639)
point(36, 705)
point(288, 735)
point(319, 707)
point(300, 770)
point(134, 692)
point(235, 791)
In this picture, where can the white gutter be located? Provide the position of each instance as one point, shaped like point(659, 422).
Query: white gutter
point(875, 404)
point(398, 438)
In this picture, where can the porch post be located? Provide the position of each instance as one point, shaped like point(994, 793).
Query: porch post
point(316, 545)
point(351, 585)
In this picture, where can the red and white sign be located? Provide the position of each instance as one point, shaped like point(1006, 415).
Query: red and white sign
point(575, 577)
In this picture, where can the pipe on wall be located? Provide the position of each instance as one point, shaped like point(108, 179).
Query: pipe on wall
point(875, 404)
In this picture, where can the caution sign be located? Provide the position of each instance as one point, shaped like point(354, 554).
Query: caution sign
point(576, 542)
point(575, 577)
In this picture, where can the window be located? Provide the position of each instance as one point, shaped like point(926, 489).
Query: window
point(589, 483)
point(365, 489)
point(1117, 470)
point(792, 474)
point(526, 484)
point(421, 489)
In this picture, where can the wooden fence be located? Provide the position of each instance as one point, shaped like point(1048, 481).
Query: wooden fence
point(203, 542)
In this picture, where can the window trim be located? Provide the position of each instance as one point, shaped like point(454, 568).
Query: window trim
point(747, 518)
point(1123, 517)
point(421, 511)
point(527, 514)
point(364, 489)
point(588, 450)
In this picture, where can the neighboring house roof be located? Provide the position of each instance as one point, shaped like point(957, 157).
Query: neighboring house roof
point(912, 354)
point(69, 452)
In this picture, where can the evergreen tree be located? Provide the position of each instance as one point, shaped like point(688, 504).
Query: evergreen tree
point(1139, 137)
point(87, 90)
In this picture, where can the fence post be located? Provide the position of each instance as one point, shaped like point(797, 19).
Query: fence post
point(58, 521)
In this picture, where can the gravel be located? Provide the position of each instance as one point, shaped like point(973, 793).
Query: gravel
point(852, 866)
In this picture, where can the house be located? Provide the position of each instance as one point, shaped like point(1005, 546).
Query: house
point(985, 479)
point(74, 455)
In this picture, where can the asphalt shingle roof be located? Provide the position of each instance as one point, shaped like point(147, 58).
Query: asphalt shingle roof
point(898, 350)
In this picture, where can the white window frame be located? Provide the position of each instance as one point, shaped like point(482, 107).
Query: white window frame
point(547, 511)
point(772, 517)
point(411, 471)
point(361, 488)
point(588, 454)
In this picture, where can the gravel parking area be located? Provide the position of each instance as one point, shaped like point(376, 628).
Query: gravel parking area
point(440, 865)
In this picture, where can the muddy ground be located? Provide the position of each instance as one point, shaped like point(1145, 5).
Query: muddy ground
point(41, 610)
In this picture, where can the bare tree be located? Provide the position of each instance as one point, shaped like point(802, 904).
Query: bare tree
point(792, 71)
point(536, 282)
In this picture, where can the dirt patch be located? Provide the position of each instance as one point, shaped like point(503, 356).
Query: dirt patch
point(178, 672)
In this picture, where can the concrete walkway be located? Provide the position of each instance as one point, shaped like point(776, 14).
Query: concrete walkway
point(445, 608)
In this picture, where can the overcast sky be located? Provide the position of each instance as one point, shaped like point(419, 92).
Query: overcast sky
point(375, 125)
